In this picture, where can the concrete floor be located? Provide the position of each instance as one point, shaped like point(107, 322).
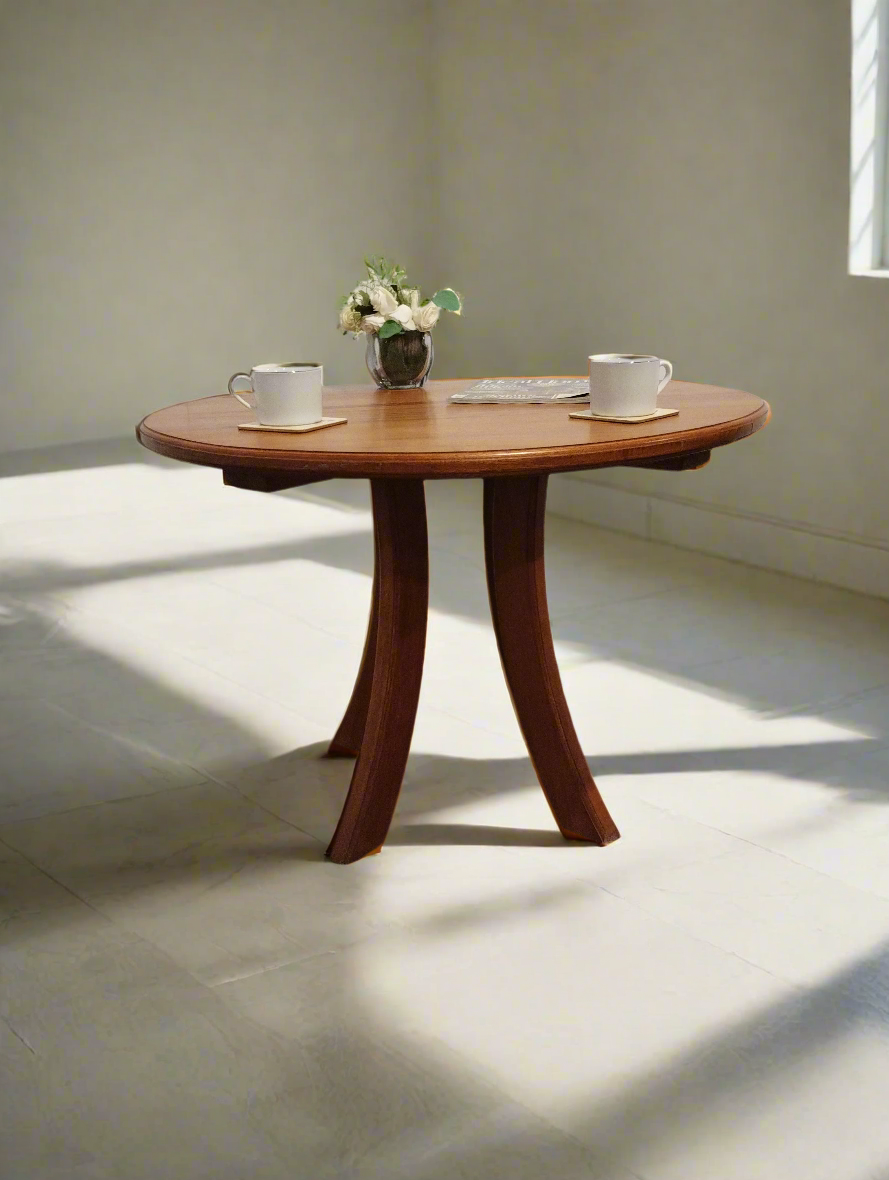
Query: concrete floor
point(191, 991)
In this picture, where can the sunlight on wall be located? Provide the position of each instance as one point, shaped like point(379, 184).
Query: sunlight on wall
point(868, 190)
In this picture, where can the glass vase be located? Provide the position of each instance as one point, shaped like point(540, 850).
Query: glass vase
point(400, 362)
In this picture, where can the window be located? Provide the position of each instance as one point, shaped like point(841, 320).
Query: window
point(869, 188)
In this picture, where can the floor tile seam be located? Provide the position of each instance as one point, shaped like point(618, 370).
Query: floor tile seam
point(20, 1037)
point(210, 986)
point(121, 625)
point(56, 880)
point(646, 876)
point(748, 655)
point(582, 614)
point(872, 690)
point(21, 598)
point(220, 782)
point(777, 650)
point(139, 938)
point(204, 774)
point(243, 687)
point(835, 880)
point(831, 704)
point(690, 588)
point(718, 856)
point(805, 772)
point(699, 823)
point(859, 746)
point(613, 889)
point(86, 611)
point(394, 926)
point(472, 723)
point(512, 1104)
point(479, 1076)
point(299, 960)
point(824, 711)
point(751, 843)
point(421, 1159)
point(689, 676)
point(34, 819)
point(278, 611)
point(794, 985)
point(49, 605)
point(483, 1078)
point(133, 745)
point(217, 984)
point(644, 661)
point(189, 659)
point(180, 654)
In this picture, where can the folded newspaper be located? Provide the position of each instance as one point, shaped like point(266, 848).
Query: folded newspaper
point(526, 389)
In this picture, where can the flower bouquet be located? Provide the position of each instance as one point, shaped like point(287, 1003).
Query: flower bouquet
point(397, 323)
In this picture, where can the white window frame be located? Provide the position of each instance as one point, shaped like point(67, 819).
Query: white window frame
point(869, 156)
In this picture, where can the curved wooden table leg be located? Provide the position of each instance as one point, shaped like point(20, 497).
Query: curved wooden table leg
point(514, 516)
point(395, 670)
point(347, 739)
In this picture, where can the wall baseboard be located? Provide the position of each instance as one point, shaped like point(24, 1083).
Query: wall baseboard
point(847, 562)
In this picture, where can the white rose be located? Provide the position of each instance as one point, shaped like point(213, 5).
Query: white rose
point(361, 294)
point(383, 301)
point(350, 319)
point(402, 313)
point(415, 302)
point(426, 317)
point(371, 323)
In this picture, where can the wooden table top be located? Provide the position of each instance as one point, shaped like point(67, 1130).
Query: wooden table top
point(419, 433)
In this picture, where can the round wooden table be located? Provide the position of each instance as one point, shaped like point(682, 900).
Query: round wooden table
point(398, 439)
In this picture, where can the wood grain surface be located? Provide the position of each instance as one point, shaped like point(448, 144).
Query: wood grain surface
point(418, 433)
point(397, 439)
point(398, 638)
point(346, 742)
point(514, 512)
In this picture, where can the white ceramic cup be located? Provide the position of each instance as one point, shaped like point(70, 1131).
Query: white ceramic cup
point(626, 384)
point(286, 395)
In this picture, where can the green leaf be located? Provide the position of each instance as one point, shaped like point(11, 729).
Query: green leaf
point(448, 300)
point(390, 328)
point(382, 270)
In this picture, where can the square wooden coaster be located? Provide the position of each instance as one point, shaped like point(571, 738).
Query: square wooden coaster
point(589, 416)
point(319, 425)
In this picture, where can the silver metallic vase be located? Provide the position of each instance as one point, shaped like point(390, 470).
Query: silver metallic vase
point(400, 362)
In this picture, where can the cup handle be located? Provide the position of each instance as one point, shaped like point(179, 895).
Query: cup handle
point(665, 380)
point(234, 377)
